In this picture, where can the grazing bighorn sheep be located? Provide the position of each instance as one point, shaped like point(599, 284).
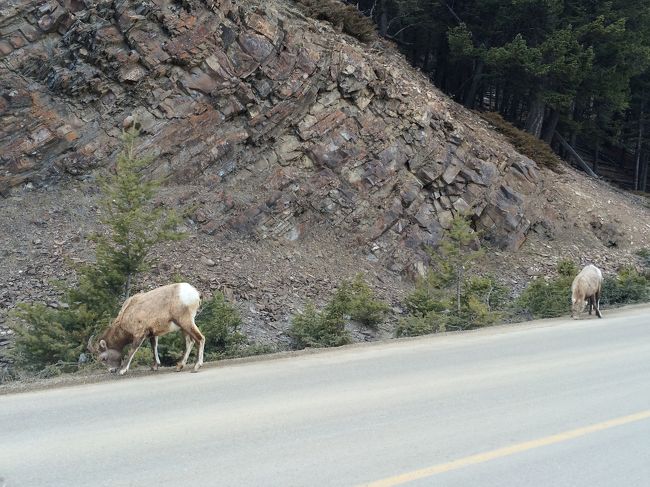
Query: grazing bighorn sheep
point(150, 315)
point(586, 286)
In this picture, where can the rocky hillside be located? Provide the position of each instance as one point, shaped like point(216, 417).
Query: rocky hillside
point(298, 155)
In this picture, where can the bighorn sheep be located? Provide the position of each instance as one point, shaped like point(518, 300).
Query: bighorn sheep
point(586, 287)
point(150, 315)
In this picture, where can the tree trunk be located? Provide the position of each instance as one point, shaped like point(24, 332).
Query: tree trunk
point(639, 144)
point(551, 126)
point(470, 95)
point(575, 155)
point(644, 174)
point(383, 23)
point(535, 116)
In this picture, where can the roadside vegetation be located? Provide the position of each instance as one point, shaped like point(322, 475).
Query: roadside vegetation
point(50, 341)
point(353, 301)
point(450, 296)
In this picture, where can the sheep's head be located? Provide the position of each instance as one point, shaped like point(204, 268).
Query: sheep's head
point(108, 356)
point(577, 306)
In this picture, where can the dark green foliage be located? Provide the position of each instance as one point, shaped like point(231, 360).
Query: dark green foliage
point(420, 324)
point(46, 336)
point(529, 145)
point(446, 298)
point(324, 328)
point(549, 298)
point(579, 67)
point(343, 17)
point(219, 321)
point(356, 299)
point(352, 299)
point(133, 227)
point(628, 287)
point(134, 224)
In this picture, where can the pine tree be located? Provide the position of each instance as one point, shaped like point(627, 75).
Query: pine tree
point(133, 227)
point(448, 296)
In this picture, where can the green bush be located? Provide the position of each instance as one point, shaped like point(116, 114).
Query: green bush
point(628, 287)
point(356, 299)
point(47, 337)
point(420, 324)
point(549, 298)
point(326, 328)
point(446, 298)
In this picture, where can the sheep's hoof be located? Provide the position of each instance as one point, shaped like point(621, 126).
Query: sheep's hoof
point(154, 367)
point(123, 371)
point(179, 367)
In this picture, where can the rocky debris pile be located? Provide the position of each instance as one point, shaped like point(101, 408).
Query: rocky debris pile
point(282, 122)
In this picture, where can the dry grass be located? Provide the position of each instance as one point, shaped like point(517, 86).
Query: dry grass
point(529, 145)
point(344, 18)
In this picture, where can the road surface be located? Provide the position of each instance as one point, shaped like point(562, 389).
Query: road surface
point(551, 403)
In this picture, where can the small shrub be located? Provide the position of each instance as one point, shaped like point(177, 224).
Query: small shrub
point(628, 287)
point(487, 291)
point(342, 16)
point(356, 299)
point(416, 325)
point(529, 145)
point(46, 336)
point(133, 227)
point(549, 298)
point(546, 299)
point(326, 328)
point(446, 298)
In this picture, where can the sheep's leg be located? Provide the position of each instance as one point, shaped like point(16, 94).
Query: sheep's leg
point(134, 348)
point(189, 343)
point(590, 300)
point(198, 337)
point(154, 348)
point(597, 299)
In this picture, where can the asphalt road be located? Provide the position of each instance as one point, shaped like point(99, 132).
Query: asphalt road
point(552, 403)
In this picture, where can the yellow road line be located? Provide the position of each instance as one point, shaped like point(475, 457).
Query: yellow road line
point(509, 450)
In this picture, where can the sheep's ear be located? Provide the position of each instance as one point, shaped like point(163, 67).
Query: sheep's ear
point(102, 344)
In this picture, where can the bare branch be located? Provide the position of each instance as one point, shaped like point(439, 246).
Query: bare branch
point(451, 11)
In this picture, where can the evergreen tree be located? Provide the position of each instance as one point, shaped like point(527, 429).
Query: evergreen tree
point(448, 296)
point(133, 227)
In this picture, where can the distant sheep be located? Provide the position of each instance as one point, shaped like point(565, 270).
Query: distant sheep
point(586, 287)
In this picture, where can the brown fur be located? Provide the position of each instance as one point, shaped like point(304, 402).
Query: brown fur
point(148, 315)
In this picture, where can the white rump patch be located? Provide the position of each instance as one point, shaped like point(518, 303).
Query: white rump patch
point(187, 294)
point(173, 327)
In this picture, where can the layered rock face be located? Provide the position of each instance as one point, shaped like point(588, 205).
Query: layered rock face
point(281, 122)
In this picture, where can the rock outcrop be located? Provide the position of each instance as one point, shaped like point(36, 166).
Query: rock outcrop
point(282, 122)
